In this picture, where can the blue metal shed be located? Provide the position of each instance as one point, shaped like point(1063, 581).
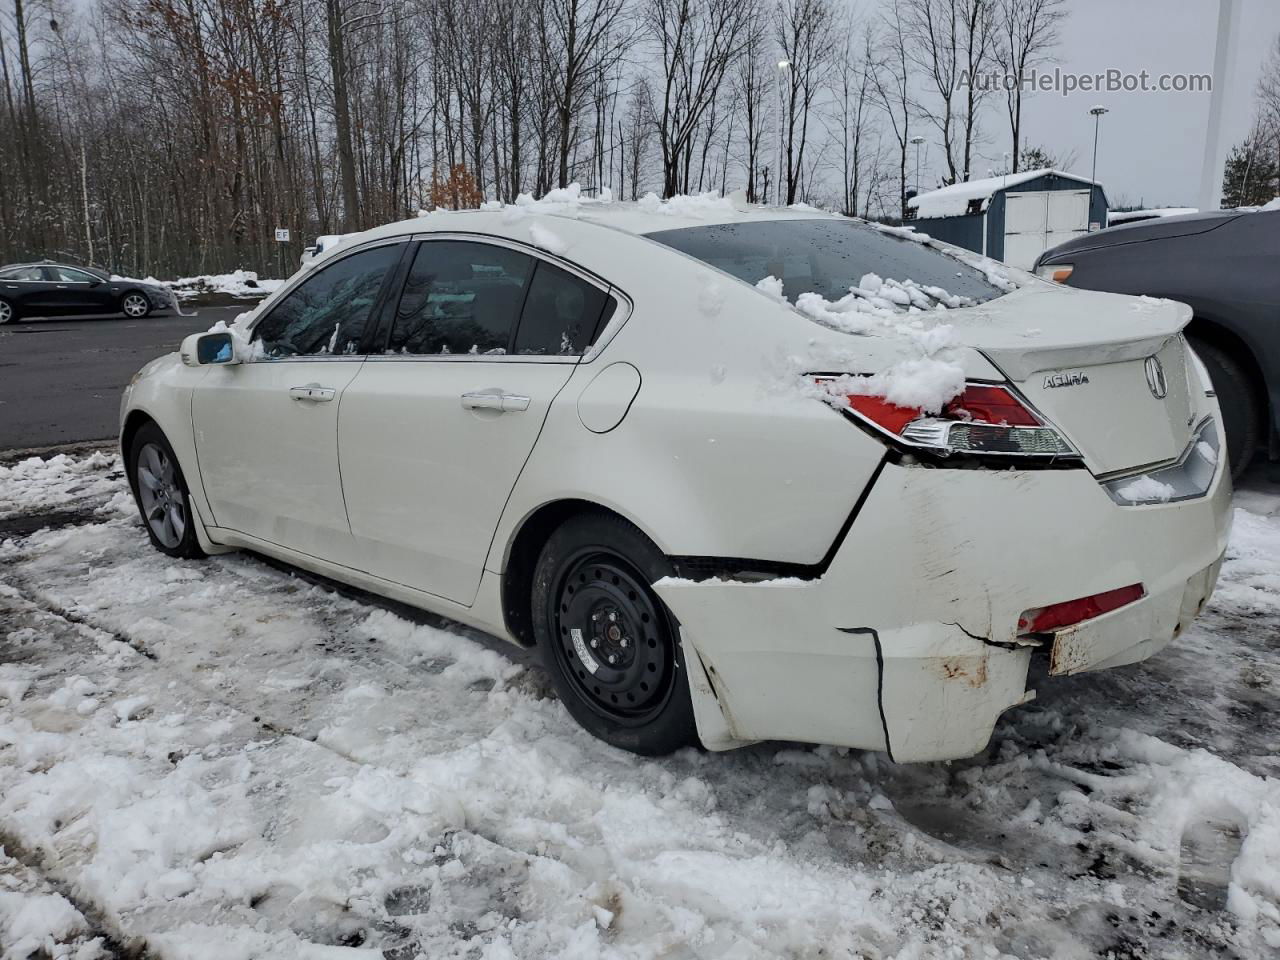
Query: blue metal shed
point(1014, 218)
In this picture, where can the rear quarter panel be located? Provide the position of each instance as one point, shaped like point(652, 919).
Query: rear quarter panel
point(718, 455)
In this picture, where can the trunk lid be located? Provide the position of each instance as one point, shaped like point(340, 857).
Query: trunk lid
point(1110, 372)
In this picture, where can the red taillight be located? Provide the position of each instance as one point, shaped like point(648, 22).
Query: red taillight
point(984, 419)
point(1069, 612)
point(989, 405)
point(979, 402)
point(880, 411)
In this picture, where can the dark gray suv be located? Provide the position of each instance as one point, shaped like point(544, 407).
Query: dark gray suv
point(1226, 266)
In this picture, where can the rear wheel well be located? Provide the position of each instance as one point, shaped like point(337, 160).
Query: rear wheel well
point(1239, 351)
point(517, 581)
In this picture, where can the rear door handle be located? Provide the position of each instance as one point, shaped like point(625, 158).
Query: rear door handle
point(313, 392)
point(484, 400)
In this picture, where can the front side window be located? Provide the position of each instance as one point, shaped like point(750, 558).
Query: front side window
point(69, 275)
point(329, 312)
point(460, 297)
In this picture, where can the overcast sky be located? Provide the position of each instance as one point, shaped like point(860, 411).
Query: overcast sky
point(1151, 145)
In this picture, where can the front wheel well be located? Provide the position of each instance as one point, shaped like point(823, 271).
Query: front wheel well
point(522, 558)
point(132, 424)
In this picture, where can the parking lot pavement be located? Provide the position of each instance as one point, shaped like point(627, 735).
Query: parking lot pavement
point(224, 758)
point(61, 378)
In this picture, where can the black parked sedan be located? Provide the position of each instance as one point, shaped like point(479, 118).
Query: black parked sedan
point(56, 289)
point(1226, 266)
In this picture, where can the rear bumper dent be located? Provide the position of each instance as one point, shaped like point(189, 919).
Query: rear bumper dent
point(909, 642)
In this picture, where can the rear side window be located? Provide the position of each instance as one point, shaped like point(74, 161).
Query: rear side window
point(561, 313)
point(22, 273)
point(329, 311)
point(825, 257)
point(460, 297)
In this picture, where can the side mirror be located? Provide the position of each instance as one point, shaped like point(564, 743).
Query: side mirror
point(95, 281)
point(201, 349)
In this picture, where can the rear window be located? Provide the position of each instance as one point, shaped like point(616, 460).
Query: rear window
point(825, 257)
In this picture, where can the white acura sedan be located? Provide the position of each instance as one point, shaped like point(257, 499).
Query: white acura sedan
point(739, 474)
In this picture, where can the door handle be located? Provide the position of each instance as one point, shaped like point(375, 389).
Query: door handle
point(313, 392)
point(483, 400)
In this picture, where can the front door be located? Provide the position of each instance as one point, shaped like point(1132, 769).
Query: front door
point(74, 291)
point(437, 426)
point(267, 430)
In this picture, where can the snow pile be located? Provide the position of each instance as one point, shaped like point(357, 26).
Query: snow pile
point(38, 485)
point(926, 384)
point(40, 925)
point(559, 202)
point(697, 205)
point(241, 283)
point(547, 239)
point(1147, 489)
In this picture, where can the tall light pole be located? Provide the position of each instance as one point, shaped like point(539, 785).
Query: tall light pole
point(1097, 113)
point(783, 67)
point(917, 140)
point(1215, 148)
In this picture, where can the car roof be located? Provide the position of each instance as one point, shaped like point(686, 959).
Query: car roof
point(637, 217)
point(54, 263)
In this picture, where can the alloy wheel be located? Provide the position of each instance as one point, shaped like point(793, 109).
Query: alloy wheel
point(135, 305)
point(614, 638)
point(6, 312)
point(163, 503)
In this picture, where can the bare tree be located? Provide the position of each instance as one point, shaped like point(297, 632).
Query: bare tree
point(584, 39)
point(1028, 30)
point(804, 30)
point(697, 41)
point(891, 80)
point(953, 42)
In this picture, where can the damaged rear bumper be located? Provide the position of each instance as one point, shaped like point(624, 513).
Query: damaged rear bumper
point(909, 641)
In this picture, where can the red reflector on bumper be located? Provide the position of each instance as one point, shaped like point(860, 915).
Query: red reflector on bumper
point(1069, 612)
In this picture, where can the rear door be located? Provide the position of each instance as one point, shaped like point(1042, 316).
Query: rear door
point(435, 430)
point(267, 431)
point(28, 288)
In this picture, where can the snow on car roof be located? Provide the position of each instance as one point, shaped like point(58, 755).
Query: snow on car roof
point(649, 214)
point(1151, 213)
point(954, 200)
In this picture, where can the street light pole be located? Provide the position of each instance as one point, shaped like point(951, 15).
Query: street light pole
point(1097, 113)
point(917, 141)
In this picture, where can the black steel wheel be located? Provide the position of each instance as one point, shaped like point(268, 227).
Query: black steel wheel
point(610, 644)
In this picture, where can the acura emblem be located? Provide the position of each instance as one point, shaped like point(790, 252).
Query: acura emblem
point(1155, 378)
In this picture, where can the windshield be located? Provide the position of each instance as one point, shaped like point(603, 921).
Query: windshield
point(827, 257)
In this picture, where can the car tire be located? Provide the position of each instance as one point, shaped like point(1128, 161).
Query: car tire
point(610, 645)
point(135, 305)
point(1241, 411)
point(8, 312)
point(161, 493)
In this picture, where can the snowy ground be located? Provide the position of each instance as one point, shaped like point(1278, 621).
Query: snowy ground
point(225, 760)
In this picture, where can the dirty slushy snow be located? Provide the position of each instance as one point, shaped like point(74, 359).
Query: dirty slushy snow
point(222, 759)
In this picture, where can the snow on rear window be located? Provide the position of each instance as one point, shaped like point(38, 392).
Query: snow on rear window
point(830, 258)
